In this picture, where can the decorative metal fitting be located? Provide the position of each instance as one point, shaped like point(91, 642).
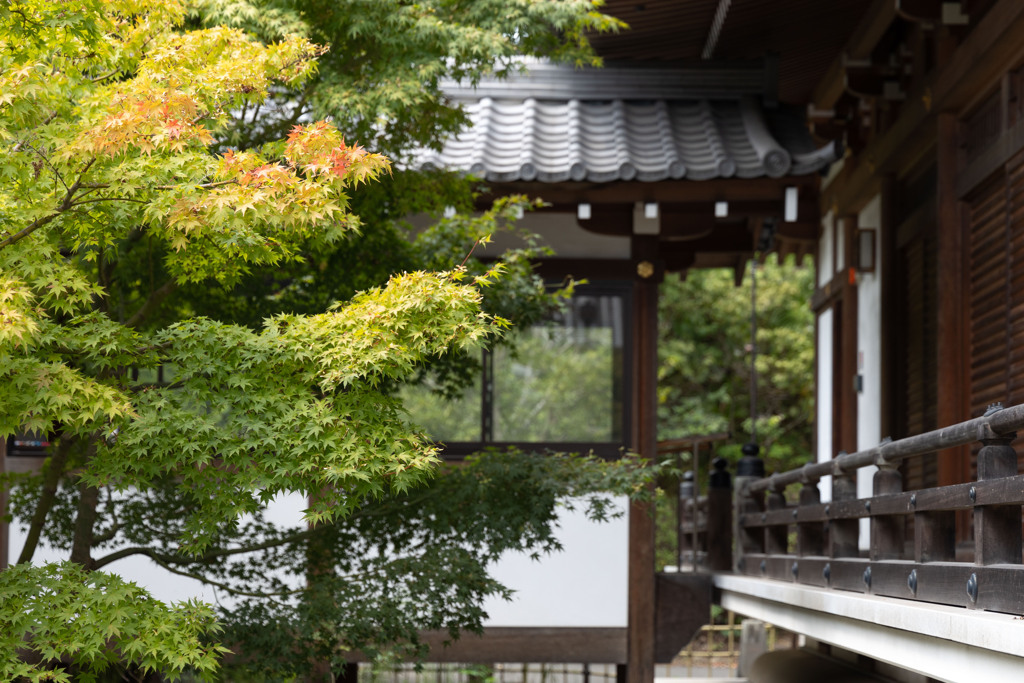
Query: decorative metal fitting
point(645, 269)
point(827, 508)
point(972, 493)
point(764, 566)
point(867, 577)
point(867, 505)
point(993, 408)
point(913, 500)
point(794, 513)
point(795, 569)
point(764, 516)
point(826, 573)
point(912, 581)
point(972, 588)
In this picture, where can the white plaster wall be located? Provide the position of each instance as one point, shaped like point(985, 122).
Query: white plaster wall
point(823, 423)
point(826, 269)
point(869, 353)
point(583, 585)
point(840, 238)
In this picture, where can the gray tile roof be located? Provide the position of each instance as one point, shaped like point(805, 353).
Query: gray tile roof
point(554, 124)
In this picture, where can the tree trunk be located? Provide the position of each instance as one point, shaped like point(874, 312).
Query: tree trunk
point(85, 521)
point(52, 474)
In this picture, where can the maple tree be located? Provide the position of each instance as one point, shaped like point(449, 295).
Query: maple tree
point(129, 189)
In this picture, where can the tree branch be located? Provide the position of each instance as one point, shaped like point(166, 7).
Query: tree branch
point(226, 587)
point(65, 204)
point(152, 303)
point(205, 557)
point(48, 495)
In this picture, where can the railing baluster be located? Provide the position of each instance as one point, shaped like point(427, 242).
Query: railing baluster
point(843, 533)
point(776, 537)
point(997, 528)
point(887, 531)
point(810, 536)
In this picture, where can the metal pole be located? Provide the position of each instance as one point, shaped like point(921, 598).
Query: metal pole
point(753, 350)
point(696, 511)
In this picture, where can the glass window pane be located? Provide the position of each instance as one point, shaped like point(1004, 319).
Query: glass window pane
point(563, 381)
point(441, 419)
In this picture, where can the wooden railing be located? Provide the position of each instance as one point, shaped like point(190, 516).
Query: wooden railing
point(818, 544)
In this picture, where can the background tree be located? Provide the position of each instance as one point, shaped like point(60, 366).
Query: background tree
point(129, 204)
point(704, 368)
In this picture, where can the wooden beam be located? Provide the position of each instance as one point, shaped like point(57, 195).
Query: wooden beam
point(527, 644)
point(978, 64)
point(665, 191)
point(970, 74)
point(859, 46)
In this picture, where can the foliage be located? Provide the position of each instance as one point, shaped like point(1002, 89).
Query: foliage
point(93, 621)
point(704, 356)
point(175, 200)
point(392, 567)
point(381, 81)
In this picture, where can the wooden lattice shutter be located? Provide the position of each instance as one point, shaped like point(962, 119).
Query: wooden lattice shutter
point(917, 352)
point(989, 329)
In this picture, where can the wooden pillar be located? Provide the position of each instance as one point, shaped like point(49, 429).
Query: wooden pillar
point(890, 297)
point(641, 611)
point(848, 359)
point(952, 344)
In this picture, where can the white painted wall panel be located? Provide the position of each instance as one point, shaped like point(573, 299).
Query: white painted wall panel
point(823, 423)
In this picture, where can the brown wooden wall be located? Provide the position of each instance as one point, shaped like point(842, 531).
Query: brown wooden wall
point(917, 361)
point(995, 217)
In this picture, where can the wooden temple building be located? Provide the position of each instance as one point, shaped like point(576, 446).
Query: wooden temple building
point(884, 139)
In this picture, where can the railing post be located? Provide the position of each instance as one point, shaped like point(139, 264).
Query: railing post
point(719, 533)
point(888, 531)
point(810, 536)
point(750, 468)
point(997, 528)
point(843, 533)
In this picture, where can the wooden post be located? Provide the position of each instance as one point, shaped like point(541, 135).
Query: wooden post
point(776, 538)
point(997, 528)
point(843, 534)
point(719, 533)
point(887, 532)
point(641, 608)
point(810, 536)
point(750, 468)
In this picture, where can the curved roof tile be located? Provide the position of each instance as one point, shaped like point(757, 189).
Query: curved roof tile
point(520, 131)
